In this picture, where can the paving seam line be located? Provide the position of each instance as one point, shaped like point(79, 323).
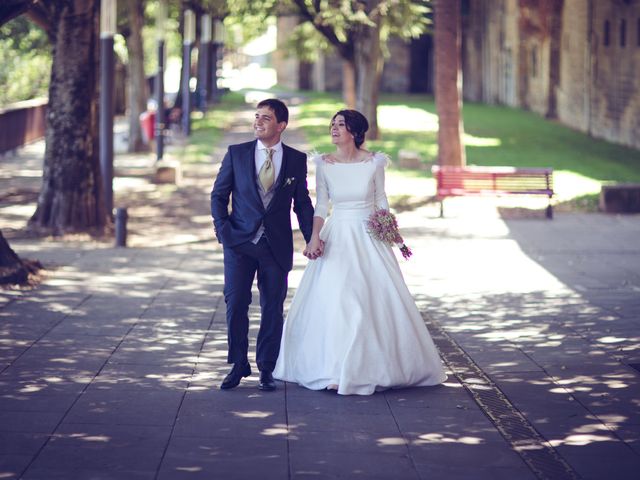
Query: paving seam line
point(543, 460)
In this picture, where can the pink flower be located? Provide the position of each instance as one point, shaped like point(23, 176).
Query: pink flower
point(383, 226)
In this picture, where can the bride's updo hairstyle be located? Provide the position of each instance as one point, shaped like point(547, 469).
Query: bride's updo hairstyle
point(356, 123)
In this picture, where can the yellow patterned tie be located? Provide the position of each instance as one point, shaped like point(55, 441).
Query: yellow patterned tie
point(267, 172)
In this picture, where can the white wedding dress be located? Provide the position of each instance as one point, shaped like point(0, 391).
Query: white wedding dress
point(353, 322)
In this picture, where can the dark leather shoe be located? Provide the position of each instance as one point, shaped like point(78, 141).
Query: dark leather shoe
point(232, 380)
point(267, 383)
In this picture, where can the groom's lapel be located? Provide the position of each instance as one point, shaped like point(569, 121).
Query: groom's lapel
point(283, 167)
point(281, 176)
point(249, 164)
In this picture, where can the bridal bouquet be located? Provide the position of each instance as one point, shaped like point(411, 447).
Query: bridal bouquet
point(383, 226)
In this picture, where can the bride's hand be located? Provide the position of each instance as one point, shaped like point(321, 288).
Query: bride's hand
point(314, 249)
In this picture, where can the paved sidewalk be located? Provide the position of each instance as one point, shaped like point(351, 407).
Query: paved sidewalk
point(109, 370)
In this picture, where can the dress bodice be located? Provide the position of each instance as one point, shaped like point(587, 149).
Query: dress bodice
point(350, 187)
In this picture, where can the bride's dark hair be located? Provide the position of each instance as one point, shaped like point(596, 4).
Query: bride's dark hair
point(356, 123)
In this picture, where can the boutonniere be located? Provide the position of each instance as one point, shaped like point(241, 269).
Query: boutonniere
point(289, 181)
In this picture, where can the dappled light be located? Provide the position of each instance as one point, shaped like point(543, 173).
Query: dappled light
point(121, 351)
point(428, 438)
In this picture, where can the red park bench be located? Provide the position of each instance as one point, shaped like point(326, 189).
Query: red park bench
point(495, 181)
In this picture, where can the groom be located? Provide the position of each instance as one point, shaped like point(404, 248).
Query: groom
point(263, 177)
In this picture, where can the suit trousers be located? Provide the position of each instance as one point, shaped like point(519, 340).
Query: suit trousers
point(241, 263)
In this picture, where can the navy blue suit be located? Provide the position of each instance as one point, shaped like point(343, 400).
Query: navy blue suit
point(271, 257)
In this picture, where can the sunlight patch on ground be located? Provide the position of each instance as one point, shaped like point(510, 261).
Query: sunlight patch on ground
point(473, 141)
point(402, 118)
point(568, 185)
point(580, 440)
point(428, 438)
point(252, 414)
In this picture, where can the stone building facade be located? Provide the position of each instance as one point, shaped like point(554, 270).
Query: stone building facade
point(408, 66)
point(577, 61)
point(574, 60)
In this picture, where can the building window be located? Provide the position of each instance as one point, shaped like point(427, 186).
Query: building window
point(623, 33)
point(606, 33)
point(534, 61)
point(638, 32)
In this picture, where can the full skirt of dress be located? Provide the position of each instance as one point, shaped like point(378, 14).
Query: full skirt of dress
point(353, 322)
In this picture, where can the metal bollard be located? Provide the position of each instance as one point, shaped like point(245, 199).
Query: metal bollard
point(121, 227)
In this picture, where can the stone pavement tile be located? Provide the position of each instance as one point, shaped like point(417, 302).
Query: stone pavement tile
point(56, 380)
point(15, 443)
point(96, 344)
point(426, 424)
point(87, 474)
point(264, 457)
point(308, 401)
point(487, 454)
point(506, 359)
point(351, 465)
point(11, 465)
point(115, 450)
point(80, 359)
point(472, 432)
point(126, 407)
point(246, 396)
point(431, 397)
point(238, 422)
point(155, 347)
point(36, 400)
point(29, 422)
point(560, 426)
point(176, 335)
point(433, 470)
point(128, 376)
point(108, 327)
point(373, 423)
point(344, 440)
point(629, 433)
point(9, 353)
point(175, 357)
point(595, 458)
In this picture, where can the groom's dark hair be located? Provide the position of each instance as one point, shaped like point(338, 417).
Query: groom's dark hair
point(279, 108)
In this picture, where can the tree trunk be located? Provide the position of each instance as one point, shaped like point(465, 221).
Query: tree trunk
point(448, 83)
point(137, 84)
point(71, 194)
point(14, 270)
point(349, 83)
point(369, 63)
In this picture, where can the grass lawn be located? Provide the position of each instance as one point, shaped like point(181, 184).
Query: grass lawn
point(494, 135)
point(207, 129)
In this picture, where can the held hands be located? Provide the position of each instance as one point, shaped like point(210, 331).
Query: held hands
point(314, 249)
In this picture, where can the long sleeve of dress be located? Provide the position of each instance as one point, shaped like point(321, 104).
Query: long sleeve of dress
point(322, 190)
point(380, 197)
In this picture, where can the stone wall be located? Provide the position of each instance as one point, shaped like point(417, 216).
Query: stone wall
point(490, 51)
point(550, 57)
point(615, 72)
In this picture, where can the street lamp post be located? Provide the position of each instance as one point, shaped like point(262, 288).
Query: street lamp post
point(204, 60)
point(188, 39)
point(107, 31)
point(160, 113)
point(218, 41)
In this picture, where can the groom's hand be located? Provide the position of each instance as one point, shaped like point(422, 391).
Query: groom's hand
point(314, 249)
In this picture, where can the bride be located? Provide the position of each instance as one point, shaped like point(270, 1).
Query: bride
point(353, 326)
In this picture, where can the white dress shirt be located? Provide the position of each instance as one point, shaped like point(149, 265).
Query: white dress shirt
point(261, 157)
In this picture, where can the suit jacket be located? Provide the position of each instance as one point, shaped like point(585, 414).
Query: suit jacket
point(237, 178)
